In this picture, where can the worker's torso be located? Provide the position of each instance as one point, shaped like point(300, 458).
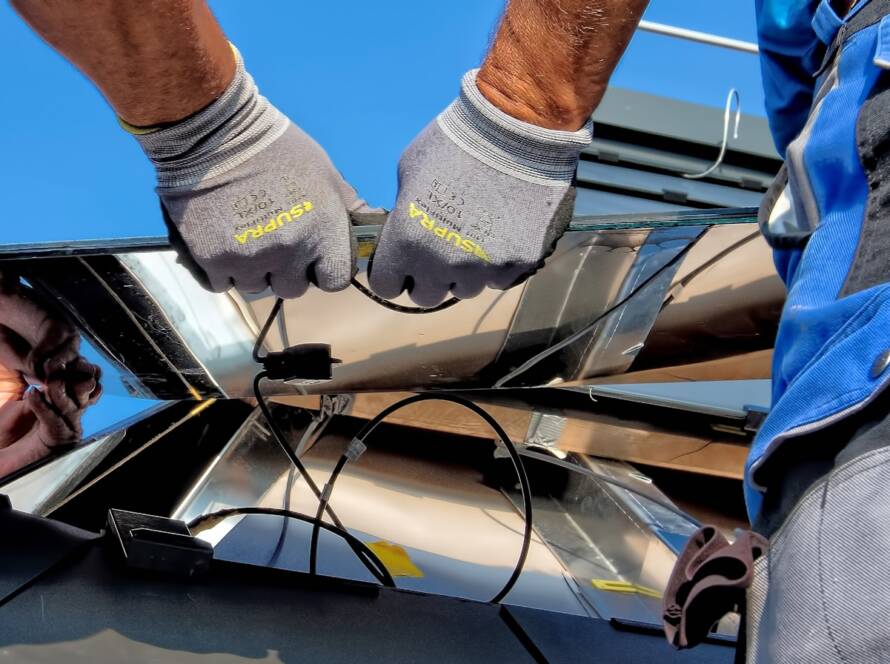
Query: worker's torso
point(832, 353)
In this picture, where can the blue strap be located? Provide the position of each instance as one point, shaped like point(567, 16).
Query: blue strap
point(826, 23)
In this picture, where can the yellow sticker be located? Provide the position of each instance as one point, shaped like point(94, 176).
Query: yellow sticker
point(624, 587)
point(396, 559)
point(613, 586)
point(647, 592)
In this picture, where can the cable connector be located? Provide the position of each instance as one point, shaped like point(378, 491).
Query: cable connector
point(355, 449)
point(302, 362)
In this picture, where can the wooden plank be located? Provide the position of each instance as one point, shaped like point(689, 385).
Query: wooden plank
point(641, 443)
point(432, 415)
point(595, 434)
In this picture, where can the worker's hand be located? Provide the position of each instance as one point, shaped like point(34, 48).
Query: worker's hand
point(45, 384)
point(34, 341)
point(482, 200)
point(35, 420)
point(251, 201)
point(59, 405)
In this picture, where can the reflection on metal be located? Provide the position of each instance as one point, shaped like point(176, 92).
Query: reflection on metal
point(41, 490)
point(240, 474)
point(424, 493)
point(544, 431)
point(426, 498)
point(619, 547)
point(402, 492)
point(640, 293)
point(680, 433)
point(594, 531)
point(591, 277)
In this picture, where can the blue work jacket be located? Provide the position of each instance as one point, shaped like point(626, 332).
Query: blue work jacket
point(831, 354)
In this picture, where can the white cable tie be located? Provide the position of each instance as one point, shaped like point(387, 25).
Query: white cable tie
point(727, 114)
point(355, 449)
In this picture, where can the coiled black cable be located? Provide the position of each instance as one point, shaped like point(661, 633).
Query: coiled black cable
point(371, 425)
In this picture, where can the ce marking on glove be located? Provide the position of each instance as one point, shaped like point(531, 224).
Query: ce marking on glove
point(252, 204)
point(447, 201)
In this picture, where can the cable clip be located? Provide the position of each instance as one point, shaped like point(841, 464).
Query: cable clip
point(355, 449)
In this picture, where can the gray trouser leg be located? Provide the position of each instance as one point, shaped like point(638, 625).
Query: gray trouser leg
point(823, 592)
point(756, 599)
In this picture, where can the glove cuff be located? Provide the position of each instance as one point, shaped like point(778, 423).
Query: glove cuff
point(225, 134)
point(511, 146)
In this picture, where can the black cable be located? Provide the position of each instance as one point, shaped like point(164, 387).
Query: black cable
point(371, 425)
point(313, 542)
point(273, 425)
point(587, 329)
point(354, 543)
point(282, 534)
point(392, 306)
point(294, 459)
point(324, 498)
point(264, 331)
point(266, 326)
point(279, 437)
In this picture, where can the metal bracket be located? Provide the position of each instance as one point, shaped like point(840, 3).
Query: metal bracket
point(544, 432)
point(329, 407)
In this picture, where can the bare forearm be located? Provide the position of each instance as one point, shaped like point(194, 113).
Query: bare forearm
point(551, 60)
point(155, 61)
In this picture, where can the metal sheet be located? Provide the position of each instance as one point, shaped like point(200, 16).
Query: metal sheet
point(621, 276)
point(420, 491)
point(42, 489)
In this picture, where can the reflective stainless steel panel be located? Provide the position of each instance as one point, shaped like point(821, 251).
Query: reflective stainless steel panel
point(422, 493)
point(619, 295)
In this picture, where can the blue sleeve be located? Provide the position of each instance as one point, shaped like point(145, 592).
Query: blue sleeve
point(790, 54)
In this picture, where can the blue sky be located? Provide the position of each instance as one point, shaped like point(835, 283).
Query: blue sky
point(362, 78)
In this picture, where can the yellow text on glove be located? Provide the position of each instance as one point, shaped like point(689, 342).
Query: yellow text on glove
point(445, 234)
point(274, 223)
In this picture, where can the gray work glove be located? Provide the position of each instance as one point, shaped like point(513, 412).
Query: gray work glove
point(250, 200)
point(483, 198)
